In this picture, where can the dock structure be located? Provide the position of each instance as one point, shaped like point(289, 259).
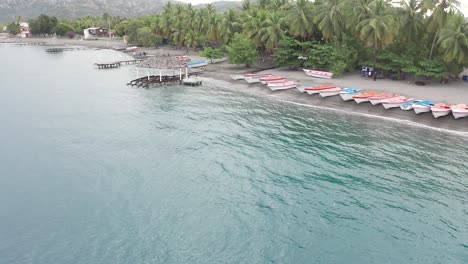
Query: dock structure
point(147, 81)
point(56, 50)
point(192, 81)
point(117, 64)
point(110, 65)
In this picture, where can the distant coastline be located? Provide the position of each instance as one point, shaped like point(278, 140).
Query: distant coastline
point(452, 93)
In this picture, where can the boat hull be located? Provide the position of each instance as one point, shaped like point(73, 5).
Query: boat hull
point(278, 88)
point(329, 93)
point(458, 115)
point(421, 109)
point(347, 96)
point(391, 105)
point(361, 100)
point(438, 114)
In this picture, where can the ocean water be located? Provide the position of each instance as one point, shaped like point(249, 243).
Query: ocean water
point(94, 171)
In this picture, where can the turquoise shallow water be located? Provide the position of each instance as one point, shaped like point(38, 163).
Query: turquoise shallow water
point(93, 171)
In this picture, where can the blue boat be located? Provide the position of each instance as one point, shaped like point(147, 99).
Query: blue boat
point(348, 93)
point(422, 106)
point(197, 64)
point(409, 105)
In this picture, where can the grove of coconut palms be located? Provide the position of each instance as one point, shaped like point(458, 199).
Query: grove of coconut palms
point(424, 38)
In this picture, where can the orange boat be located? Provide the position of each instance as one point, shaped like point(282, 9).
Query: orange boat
point(361, 98)
point(316, 89)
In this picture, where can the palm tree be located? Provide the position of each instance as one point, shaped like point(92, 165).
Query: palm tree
point(441, 9)
point(299, 16)
point(214, 28)
point(231, 25)
point(412, 20)
point(453, 40)
point(361, 10)
point(330, 18)
point(246, 5)
point(191, 40)
point(380, 28)
point(272, 30)
point(253, 23)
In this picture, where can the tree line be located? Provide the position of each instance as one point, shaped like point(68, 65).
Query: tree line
point(421, 37)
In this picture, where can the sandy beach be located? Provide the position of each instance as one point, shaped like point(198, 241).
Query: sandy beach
point(454, 92)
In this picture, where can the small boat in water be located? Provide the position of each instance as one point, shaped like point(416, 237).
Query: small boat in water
point(282, 86)
point(347, 93)
point(375, 100)
point(318, 74)
point(330, 92)
point(317, 89)
point(302, 88)
point(423, 106)
point(459, 111)
point(395, 102)
point(362, 98)
point(439, 110)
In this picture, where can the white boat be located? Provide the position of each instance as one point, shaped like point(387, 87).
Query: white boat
point(330, 92)
point(237, 77)
point(197, 64)
point(422, 108)
point(439, 110)
point(318, 74)
point(257, 75)
point(375, 100)
point(348, 93)
point(362, 98)
point(252, 80)
point(274, 81)
point(459, 111)
point(395, 102)
point(282, 86)
point(317, 89)
point(301, 88)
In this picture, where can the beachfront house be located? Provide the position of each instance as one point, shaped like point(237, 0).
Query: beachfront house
point(25, 30)
point(95, 32)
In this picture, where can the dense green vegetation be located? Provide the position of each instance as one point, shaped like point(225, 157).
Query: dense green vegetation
point(420, 37)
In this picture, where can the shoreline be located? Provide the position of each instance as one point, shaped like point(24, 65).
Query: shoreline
point(452, 93)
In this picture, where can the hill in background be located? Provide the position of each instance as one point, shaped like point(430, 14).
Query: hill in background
point(9, 9)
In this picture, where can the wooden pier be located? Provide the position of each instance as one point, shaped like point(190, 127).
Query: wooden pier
point(117, 64)
point(56, 50)
point(155, 80)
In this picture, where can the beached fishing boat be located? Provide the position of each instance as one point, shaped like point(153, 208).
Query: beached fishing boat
point(237, 77)
point(395, 102)
point(317, 89)
point(348, 93)
point(330, 92)
point(301, 88)
point(197, 64)
point(277, 81)
point(459, 111)
point(439, 110)
point(362, 98)
point(377, 99)
point(423, 106)
point(318, 74)
point(266, 80)
point(257, 75)
point(409, 105)
point(282, 86)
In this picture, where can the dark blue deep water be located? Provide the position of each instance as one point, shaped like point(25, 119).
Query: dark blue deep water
point(94, 171)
